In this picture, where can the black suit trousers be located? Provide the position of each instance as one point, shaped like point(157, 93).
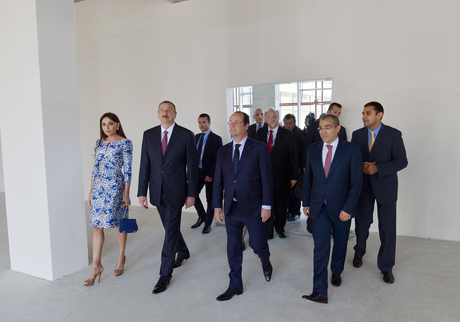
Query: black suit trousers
point(387, 229)
point(205, 215)
point(173, 242)
point(234, 224)
point(278, 213)
point(322, 227)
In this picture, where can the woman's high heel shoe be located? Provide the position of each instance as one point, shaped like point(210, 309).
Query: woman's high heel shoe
point(90, 281)
point(119, 271)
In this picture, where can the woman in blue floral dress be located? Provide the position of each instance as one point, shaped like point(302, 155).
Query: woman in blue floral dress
point(109, 192)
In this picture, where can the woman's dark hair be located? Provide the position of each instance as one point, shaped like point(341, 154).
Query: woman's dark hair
point(114, 118)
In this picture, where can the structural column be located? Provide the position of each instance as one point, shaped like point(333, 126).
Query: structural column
point(40, 133)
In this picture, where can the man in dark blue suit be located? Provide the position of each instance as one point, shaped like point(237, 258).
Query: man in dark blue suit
point(244, 171)
point(333, 180)
point(169, 169)
point(383, 154)
point(312, 135)
point(207, 144)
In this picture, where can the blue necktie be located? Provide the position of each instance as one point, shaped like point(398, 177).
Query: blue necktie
point(236, 157)
point(200, 145)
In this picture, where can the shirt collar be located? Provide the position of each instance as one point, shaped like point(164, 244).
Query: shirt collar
point(169, 129)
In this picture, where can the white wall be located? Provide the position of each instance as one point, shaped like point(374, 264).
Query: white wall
point(134, 54)
point(2, 185)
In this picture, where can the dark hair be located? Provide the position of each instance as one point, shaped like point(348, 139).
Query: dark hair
point(169, 102)
point(289, 117)
point(245, 117)
point(332, 106)
point(205, 115)
point(114, 118)
point(377, 107)
point(334, 118)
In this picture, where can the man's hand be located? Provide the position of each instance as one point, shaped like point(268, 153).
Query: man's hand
point(370, 168)
point(143, 202)
point(293, 182)
point(344, 216)
point(208, 179)
point(190, 201)
point(306, 211)
point(219, 215)
point(365, 166)
point(265, 214)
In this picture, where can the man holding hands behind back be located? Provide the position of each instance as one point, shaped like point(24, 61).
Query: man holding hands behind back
point(333, 179)
point(243, 168)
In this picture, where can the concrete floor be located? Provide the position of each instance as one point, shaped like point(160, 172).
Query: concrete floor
point(426, 288)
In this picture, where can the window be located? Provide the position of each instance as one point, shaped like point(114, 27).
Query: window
point(298, 98)
point(242, 99)
point(315, 96)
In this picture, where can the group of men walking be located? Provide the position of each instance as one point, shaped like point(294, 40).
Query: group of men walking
point(253, 180)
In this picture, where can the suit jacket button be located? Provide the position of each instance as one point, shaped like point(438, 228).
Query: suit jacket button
point(234, 181)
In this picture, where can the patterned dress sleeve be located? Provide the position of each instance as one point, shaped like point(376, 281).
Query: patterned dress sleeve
point(95, 172)
point(127, 160)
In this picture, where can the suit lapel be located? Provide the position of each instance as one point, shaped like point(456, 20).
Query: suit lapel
point(172, 139)
point(244, 156)
point(338, 155)
point(279, 138)
point(378, 140)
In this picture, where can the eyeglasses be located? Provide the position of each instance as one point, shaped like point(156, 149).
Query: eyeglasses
point(327, 128)
point(272, 117)
point(236, 123)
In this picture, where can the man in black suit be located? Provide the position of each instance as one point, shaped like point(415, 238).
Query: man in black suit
point(294, 202)
point(169, 170)
point(285, 165)
point(312, 135)
point(207, 144)
point(254, 128)
point(333, 180)
point(383, 154)
point(244, 172)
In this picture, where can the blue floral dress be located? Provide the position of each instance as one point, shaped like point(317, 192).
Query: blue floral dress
point(112, 169)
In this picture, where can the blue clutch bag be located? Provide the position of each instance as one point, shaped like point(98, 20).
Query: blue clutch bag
point(127, 225)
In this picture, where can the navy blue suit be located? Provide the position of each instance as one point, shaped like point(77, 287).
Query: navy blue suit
point(213, 143)
point(389, 154)
point(251, 186)
point(340, 190)
point(170, 179)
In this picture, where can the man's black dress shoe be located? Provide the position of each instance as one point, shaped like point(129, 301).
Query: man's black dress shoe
point(357, 261)
point(293, 217)
point(206, 229)
point(198, 223)
point(316, 297)
point(161, 286)
point(336, 280)
point(268, 273)
point(178, 262)
point(228, 294)
point(388, 277)
point(281, 234)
